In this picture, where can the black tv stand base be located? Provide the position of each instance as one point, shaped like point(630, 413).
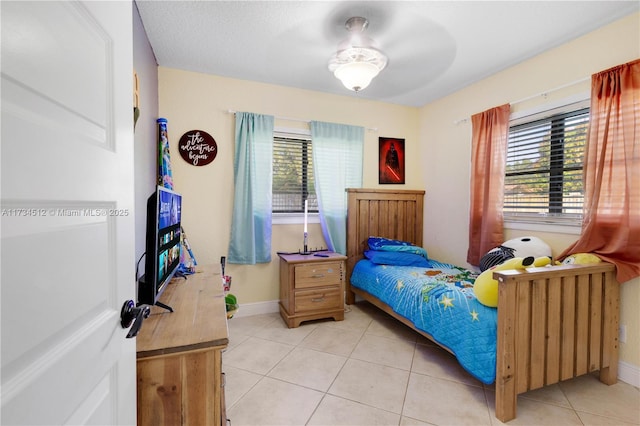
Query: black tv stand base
point(180, 274)
point(162, 305)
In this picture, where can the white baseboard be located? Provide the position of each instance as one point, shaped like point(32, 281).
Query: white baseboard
point(257, 308)
point(628, 373)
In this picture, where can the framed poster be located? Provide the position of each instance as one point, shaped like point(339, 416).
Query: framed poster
point(390, 160)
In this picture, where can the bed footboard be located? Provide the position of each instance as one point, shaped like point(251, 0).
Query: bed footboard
point(554, 323)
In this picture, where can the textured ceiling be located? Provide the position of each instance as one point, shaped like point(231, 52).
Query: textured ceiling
point(434, 47)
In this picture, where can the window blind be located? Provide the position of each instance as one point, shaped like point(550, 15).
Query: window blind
point(293, 175)
point(543, 175)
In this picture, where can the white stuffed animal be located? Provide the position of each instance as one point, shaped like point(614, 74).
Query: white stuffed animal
point(528, 246)
point(516, 247)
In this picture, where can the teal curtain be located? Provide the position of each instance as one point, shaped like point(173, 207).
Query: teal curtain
point(337, 165)
point(251, 222)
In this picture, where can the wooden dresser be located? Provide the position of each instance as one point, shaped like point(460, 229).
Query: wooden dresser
point(179, 355)
point(311, 287)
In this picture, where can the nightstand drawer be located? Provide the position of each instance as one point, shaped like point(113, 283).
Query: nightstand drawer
point(318, 275)
point(313, 300)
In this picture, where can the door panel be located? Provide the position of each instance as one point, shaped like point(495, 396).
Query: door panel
point(67, 213)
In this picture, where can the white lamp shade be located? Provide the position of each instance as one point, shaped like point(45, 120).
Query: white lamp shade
point(356, 75)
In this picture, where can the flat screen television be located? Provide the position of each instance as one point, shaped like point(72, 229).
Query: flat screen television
point(162, 259)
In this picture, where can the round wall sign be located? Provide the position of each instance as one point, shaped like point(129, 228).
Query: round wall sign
point(197, 147)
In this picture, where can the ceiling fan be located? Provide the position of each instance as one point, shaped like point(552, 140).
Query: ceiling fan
point(358, 60)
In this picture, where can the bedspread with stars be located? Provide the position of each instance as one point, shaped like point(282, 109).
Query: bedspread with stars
point(439, 301)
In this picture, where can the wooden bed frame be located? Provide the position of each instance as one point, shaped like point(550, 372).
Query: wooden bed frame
point(554, 323)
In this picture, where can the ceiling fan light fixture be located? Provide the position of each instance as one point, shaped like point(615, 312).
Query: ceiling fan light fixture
point(356, 75)
point(357, 62)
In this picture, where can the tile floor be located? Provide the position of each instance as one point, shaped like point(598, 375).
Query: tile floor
point(371, 370)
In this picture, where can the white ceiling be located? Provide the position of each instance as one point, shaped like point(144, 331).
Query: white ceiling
point(434, 47)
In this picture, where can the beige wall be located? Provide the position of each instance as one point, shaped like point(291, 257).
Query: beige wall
point(446, 148)
point(198, 101)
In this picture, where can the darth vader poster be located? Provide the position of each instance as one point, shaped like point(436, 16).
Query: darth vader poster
point(391, 161)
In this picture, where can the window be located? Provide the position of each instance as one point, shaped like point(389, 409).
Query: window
point(543, 174)
point(293, 174)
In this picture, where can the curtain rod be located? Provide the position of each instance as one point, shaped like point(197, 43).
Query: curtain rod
point(371, 129)
point(528, 98)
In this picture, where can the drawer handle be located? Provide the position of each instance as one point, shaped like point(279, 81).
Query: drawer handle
point(318, 299)
point(317, 276)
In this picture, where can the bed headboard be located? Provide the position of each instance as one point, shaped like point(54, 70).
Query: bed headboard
point(385, 213)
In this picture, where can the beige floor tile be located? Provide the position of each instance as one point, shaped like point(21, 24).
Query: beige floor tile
point(332, 340)
point(436, 362)
point(278, 376)
point(396, 353)
point(391, 328)
point(445, 402)
point(408, 421)
point(257, 355)
point(594, 420)
point(354, 320)
point(273, 402)
point(549, 394)
point(237, 383)
point(364, 308)
point(250, 325)
point(372, 384)
point(587, 394)
point(338, 411)
point(536, 413)
point(279, 332)
point(309, 368)
point(235, 340)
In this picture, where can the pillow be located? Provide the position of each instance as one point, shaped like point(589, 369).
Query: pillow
point(386, 244)
point(396, 258)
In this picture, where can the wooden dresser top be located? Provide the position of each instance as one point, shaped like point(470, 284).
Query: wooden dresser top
point(198, 320)
point(300, 258)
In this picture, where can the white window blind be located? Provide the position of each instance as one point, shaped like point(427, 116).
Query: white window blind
point(293, 175)
point(543, 175)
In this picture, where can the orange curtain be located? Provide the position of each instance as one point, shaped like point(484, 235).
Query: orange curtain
point(490, 131)
point(611, 223)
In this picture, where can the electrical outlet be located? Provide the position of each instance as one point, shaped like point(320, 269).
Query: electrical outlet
point(623, 333)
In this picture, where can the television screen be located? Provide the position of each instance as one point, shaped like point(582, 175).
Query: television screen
point(164, 208)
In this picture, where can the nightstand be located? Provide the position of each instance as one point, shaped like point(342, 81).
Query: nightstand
point(311, 287)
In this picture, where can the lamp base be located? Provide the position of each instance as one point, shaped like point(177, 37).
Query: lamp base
point(307, 251)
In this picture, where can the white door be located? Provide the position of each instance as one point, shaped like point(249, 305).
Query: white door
point(67, 248)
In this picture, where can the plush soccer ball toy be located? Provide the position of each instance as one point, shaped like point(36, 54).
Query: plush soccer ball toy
point(516, 247)
point(486, 288)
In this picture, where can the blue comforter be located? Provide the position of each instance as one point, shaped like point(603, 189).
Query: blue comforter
point(440, 302)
